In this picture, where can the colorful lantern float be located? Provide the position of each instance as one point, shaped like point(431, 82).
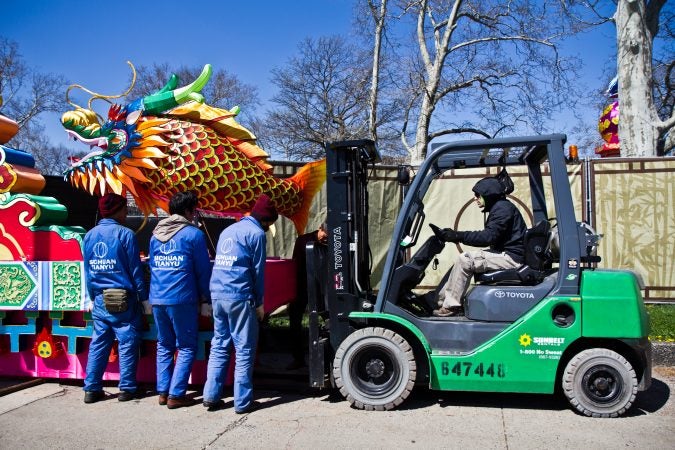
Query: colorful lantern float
point(148, 149)
point(608, 125)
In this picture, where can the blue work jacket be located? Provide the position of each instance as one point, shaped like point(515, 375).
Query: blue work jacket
point(112, 260)
point(239, 269)
point(180, 268)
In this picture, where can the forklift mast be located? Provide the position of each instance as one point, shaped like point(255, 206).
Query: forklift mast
point(348, 259)
point(348, 247)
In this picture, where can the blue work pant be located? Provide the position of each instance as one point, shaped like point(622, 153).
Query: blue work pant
point(235, 324)
point(176, 330)
point(126, 327)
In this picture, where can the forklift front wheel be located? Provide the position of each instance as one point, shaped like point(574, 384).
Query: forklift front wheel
point(375, 369)
point(599, 382)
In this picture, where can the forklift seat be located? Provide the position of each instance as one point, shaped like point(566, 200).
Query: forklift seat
point(538, 260)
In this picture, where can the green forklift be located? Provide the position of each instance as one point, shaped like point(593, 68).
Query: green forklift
point(558, 321)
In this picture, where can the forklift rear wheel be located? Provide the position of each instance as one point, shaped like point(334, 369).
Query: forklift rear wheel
point(600, 383)
point(375, 369)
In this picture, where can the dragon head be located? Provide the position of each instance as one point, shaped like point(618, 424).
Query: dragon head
point(125, 144)
point(134, 126)
point(164, 143)
point(114, 138)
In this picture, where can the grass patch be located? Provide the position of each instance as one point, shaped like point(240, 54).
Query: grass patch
point(282, 321)
point(662, 318)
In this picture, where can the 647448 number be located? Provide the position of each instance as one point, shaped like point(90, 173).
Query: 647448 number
point(464, 369)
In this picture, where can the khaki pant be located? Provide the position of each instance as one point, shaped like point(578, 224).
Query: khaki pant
point(468, 263)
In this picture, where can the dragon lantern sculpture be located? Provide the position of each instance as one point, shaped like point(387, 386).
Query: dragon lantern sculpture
point(172, 141)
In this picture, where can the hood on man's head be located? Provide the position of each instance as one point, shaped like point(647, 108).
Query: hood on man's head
point(110, 204)
point(490, 189)
point(264, 210)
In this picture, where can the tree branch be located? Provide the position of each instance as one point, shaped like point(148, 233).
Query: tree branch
point(436, 134)
point(421, 41)
point(666, 125)
point(404, 126)
point(591, 6)
point(503, 38)
point(652, 11)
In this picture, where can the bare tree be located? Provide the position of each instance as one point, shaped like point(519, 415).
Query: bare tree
point(664, 79)
point(322, 97)
point(640, 127)
point(49, 159)
point(26, 94)
point(644, 70)
point(386, 99)
point(224, 90)
point(483, 67)
point(378, 15)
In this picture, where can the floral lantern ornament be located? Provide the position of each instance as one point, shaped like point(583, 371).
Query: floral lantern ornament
point(608, 125)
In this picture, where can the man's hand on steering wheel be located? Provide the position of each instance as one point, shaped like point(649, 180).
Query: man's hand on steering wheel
point(446, 234)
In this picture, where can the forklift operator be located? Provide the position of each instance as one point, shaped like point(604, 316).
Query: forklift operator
point(503, 233)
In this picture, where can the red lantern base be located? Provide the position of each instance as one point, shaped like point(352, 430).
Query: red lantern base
point(608, 150)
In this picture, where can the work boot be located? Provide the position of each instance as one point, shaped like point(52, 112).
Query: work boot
point(213, 405)
point(250, 408)
point(93, 396)
point(162, 399)
point(178, 402)
point(125, 396)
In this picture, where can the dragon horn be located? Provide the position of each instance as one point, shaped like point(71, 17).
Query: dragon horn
point(161, 101)
point(170, 85)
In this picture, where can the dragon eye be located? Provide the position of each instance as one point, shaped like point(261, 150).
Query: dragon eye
point(119, 138)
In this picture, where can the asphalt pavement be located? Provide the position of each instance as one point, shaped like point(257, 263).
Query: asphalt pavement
point(53, 416)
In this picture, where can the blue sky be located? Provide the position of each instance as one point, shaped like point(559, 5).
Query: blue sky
point(90, 42)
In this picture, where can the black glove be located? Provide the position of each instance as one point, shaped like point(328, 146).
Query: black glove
point(447, 234)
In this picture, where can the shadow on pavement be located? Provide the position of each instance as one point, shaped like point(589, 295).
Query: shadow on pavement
point(647, 402)
point(423, 398)
point(651, 400)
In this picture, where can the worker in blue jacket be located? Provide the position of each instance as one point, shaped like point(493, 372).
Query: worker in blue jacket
point(179, 287)
point(237, 292)
point(112, 265)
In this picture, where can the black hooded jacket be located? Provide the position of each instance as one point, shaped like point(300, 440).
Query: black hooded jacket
point(504, 227)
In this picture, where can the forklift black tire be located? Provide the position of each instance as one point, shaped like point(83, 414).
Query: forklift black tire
point(600, 383)
point(375, 369)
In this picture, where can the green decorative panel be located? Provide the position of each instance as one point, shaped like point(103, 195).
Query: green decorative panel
point(42, 285)
point(18, 285)
point(67, 281)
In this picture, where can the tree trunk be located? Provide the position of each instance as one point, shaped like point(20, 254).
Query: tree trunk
point(419, 150)
point(378, 18)
point(433, 69)
point(638, 120)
